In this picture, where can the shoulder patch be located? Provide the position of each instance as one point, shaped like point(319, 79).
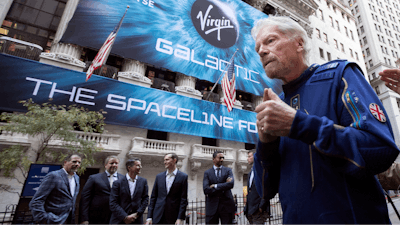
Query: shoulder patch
point(327, 67)
point(324, 76)
point(377, 112)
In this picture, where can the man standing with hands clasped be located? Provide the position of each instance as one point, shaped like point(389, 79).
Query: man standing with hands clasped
point(129, 196)
point(168, 199)
point(330, 134)
point(217, 184)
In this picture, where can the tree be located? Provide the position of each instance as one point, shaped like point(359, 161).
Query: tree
point(49, 123)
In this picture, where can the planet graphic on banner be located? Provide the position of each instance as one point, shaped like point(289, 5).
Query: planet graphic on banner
point(216, 22)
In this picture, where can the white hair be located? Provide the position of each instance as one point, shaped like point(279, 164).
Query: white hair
point(287, 26)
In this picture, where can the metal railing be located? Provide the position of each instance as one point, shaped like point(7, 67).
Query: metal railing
point(20, 48)
point(196, 211)
point(8, 214)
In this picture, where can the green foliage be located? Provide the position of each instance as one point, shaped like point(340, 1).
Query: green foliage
point(51, 124)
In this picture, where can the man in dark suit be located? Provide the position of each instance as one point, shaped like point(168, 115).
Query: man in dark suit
point(129, 196)
point(168, 199)
point(54, 202)
point(95, 198)
point(217, 184)
point(257, 208)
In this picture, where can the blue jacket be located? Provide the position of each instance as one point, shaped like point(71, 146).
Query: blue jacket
point(53, 202)
point(340, 138)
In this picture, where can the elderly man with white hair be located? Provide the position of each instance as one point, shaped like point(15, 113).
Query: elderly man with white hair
point(320, 146)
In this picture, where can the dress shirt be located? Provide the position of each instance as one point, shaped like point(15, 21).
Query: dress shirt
point(112, 177)
point(72, 184)
point(170, 178)
point(132, 184)
point(216, 173)
point(251, 177)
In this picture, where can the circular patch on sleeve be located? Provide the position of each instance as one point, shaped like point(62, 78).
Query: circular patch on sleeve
point(377, 112)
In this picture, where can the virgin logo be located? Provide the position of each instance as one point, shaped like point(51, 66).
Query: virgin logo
point(215, 22)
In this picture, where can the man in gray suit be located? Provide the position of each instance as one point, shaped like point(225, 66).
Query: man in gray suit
point(54, 202)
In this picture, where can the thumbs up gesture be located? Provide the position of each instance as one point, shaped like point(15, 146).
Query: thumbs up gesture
point(274, 117)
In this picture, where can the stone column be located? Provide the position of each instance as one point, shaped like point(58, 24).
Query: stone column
point(63, 54)
point(185, 85)
point(133, 72)
point(4, 8)
point(237, 104)
point(257, 100)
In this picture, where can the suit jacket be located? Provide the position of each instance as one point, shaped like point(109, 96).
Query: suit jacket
point(172, 204)
point(95, 199)
point(122, 204)
point(254, 201)
point(220, 195)
point(53, 202)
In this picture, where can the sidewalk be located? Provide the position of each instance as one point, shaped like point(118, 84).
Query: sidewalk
point(392, 214)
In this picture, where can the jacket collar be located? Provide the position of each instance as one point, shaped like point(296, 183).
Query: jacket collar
point(298, 82)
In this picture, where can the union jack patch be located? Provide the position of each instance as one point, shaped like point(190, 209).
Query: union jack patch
point(377, 112)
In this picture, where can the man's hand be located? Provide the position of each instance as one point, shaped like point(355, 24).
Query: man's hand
point(212, 185)
point(135, 215)
point(129, 219)
point(85, 222)
point(178, 222)
point(229, 179)
point(392, 79)
point(274, 117)
point(149, 222)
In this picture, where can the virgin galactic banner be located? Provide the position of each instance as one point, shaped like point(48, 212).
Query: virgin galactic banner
point(193, 37)
point(125, 104)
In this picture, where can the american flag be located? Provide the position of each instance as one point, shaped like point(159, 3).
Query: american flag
point(228, 86)
point(104, 51)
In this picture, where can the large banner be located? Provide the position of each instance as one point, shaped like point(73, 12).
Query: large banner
point(193, 37)
point(125, 104)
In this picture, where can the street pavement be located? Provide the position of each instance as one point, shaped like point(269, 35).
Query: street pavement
point(392, 215)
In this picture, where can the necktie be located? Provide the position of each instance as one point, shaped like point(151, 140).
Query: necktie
point(219, 174)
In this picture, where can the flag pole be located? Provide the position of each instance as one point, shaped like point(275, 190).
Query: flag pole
point(119, 26)
point(230, 62)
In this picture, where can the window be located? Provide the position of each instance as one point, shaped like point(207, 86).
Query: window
point(389, 62)
point(158, 135)
point(342, 47)
point(321, 15)
point(370, 63)
point(368, 52)
point(357, 56)
point(337, 25)
point(351, 34)
point(346, 31)
point(351, 53)
point(325, 38)
point(365, 40)
point(331, 21)
point(356, 8)
point(362, 29)
point(336, 44)
point(383, 50)
point(318, 32)
point(209, 141)
point(359, 19)
point(377, 90)
point(321, 53)
point(329, 56)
